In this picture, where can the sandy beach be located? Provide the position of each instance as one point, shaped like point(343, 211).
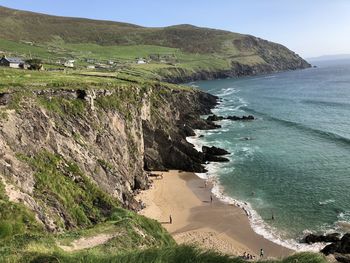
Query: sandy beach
point(195, 219)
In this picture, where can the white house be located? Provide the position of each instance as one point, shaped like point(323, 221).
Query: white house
point(12, 62)
point(69, 64)
point(141, 61)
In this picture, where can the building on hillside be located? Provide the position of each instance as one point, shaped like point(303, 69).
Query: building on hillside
point(12, 62)
point(69, 64)
point(141, 61)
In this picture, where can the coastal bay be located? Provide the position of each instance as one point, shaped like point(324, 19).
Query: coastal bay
point(196, 220)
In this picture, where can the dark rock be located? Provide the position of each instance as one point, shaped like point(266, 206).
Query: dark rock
point(214, 150)
point(4, 98)
point(344, 258)
point(330, 249)
point(334, 237)
point(214, 118)
point(312, 238)
point(214, 158)
point(243, 118)
point(200, 124)
point(188, 131)
point(81, 94)
point(342, 246)
point(201, 136)
point(345, 244)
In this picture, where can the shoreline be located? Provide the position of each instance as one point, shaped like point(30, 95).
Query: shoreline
point(196, 220)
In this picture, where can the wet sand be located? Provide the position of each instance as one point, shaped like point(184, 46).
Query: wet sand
point(214, 225)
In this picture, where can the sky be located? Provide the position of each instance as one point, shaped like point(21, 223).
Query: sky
point(311, 28)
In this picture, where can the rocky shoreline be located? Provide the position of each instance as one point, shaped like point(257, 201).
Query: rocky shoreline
point(174, 151)
point(338, 245)
point(237, 69)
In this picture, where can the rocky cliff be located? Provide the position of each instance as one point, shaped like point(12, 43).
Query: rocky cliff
point(268, 57)
point(62, 150)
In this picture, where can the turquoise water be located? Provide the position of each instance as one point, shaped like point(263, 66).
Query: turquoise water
point(297, 164)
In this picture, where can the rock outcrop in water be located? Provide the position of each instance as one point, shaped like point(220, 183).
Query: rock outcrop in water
point(312, 238)
point(214, 154)
point(214, 117)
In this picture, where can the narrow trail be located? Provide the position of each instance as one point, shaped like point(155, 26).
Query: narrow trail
point(88, 242)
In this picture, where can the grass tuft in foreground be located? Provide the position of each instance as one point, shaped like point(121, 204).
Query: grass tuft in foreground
point(173, 254)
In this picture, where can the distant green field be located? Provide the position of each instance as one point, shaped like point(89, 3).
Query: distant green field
point(95, 51)
point(19, 79)
point(24, 50)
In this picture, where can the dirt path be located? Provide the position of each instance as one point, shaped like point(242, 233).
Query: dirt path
point(88, 242)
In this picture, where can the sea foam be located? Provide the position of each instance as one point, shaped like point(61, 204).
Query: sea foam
point(257, 223)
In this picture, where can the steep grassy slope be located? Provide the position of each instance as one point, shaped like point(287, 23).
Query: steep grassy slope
point(176, 53)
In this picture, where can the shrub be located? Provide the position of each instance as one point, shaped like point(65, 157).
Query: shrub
point(6, 229)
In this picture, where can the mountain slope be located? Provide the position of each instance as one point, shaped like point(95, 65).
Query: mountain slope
point(190, 52)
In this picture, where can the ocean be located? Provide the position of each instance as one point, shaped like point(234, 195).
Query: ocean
point(293, 161)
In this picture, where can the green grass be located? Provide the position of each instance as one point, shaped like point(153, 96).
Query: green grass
point(98, 52)
point(19, 80)
point(15, 218)
point(165, 254)
point(25, 50)
point(61, 183)
point(124, 224)
point(63, 106)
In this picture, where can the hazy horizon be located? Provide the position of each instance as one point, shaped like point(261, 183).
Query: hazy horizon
point(311, 29)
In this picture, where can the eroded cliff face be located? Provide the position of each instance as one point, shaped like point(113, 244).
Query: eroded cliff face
point(268, 58)
point(58, 145)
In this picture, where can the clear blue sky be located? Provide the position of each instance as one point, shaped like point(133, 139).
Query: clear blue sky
point(309, 27)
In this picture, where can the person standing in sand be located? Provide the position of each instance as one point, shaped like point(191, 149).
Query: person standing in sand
point(261, 253)
point(170, 220)
point(211, 199)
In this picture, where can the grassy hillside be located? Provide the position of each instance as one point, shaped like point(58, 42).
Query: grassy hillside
point(20, 25)
point(175, 52)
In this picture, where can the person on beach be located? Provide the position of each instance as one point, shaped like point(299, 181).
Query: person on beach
point(170, 220)
point(261, 253)
point(245, 255)
point(211, 199)
point(205, 183)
